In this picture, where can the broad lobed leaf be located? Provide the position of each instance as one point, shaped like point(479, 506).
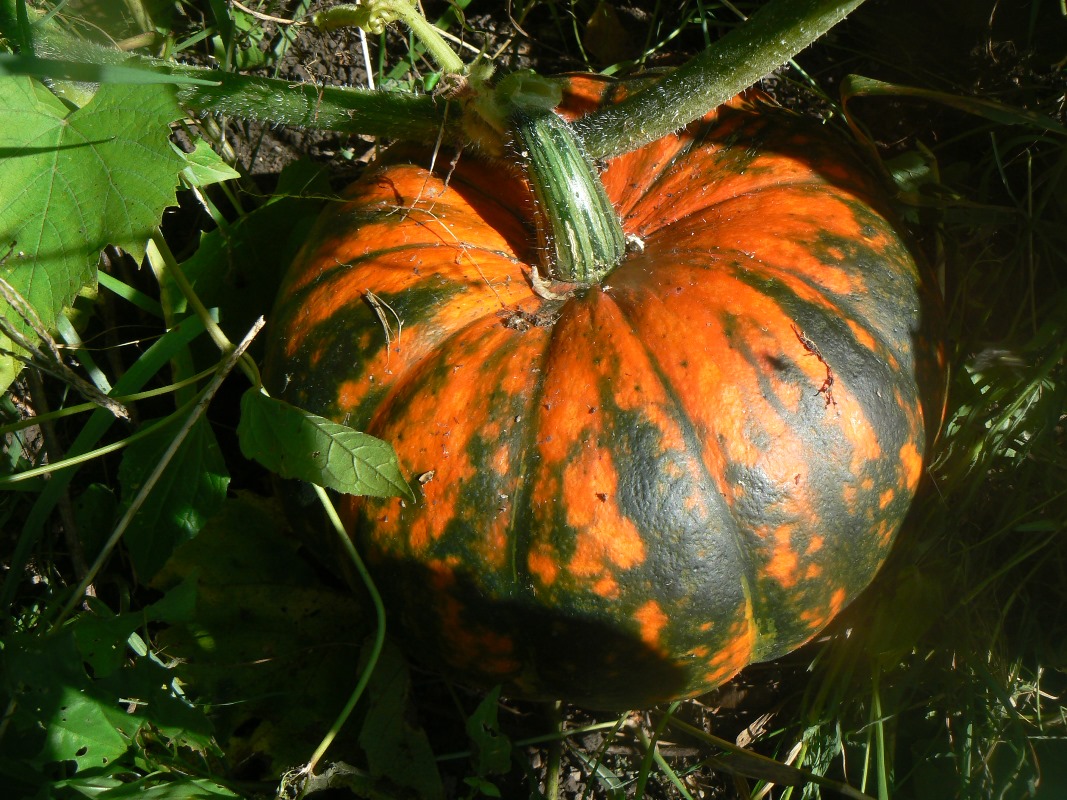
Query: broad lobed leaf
point(76, 181)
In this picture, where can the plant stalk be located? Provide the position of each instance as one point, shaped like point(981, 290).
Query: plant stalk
point(772, 36)
point(580, 236)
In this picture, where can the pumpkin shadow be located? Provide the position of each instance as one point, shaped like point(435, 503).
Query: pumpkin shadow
point(456, 628)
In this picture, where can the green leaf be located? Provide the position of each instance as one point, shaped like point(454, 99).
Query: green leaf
point(101, 636)
point(81, 731)
point(396, 749)
point(44, 677)
point(204, 166)
point(151, 788)
point(297, 444)
point(492, 749)
point(75, 181)
point(190, 490)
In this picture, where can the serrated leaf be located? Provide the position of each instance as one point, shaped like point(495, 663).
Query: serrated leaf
point(204, 166)
point(190, 490)
point(76, 181)
point(492, 749)
point(298, 444)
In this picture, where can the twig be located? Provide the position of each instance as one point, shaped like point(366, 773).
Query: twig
point(51, 361)
point(267, 17)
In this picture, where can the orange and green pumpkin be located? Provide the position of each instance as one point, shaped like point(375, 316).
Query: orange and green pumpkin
point(631, 491)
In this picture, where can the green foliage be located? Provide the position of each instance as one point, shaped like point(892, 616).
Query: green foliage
point(271, 647)
point(397, 750)
point(79, 695)
point(297, 444)
point(77, 181)
point(191, 489)
point(212, 652)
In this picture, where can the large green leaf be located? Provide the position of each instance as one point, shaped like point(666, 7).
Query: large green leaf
point(190, 490)
point(297, 444)
point(59, 712)
point(75, 181)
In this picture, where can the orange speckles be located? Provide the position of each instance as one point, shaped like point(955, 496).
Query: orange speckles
point(815, 544)
point(652, 620)
point(912, 462)
point(349, 394)
point(862, 335)
point(501, 461)
point(812, 572)
point(610, 540)
point(837, 601)
point(817, 619)
point(884, 532)
point(863, 438)
point(733, 654)
point(885, 498)
point(849, 495)
point(543, 565)
point(782, 565)
point(606, 587)
point(867, 484)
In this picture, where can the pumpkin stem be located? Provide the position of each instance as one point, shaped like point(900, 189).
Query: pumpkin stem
point(580, 235)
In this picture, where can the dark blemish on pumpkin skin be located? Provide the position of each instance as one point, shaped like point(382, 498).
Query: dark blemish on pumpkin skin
point(827, 387)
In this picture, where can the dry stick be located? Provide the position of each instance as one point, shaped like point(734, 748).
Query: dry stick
point(153, 478)
point(51, 361)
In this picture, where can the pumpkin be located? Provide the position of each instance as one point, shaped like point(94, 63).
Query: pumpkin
point(629, 491)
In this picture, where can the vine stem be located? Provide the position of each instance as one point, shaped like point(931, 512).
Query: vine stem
point(379, 633)
point(771, 37)
point(373, 15)
point(153, 478)
point(217, 334)
point(554, 767)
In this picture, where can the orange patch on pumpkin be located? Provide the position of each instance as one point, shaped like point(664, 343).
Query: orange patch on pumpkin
point(543, 565)
point(734, 654)
point(783, 562)
point(606, 587)
point(885, 498)
point(604, 538)
point(862, 335)
point(912, 462)
point(652, 620)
